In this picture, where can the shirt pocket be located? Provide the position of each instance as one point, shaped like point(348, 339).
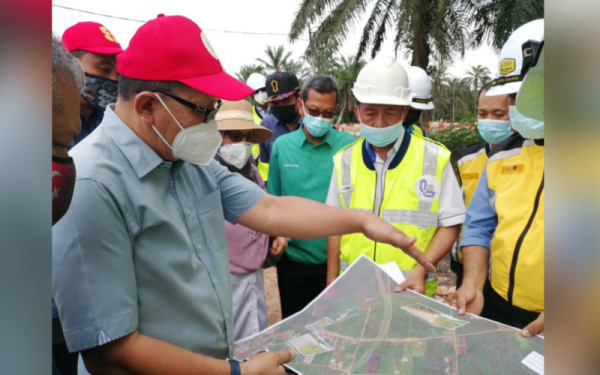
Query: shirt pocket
point(212, 222)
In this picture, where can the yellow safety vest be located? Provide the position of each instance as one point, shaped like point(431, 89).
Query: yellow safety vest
point(471, 163)
point(410, 198)
point(516, 174)
point(263, 168)
point(418, 131)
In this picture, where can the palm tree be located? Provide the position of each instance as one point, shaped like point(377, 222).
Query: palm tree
point(476, 76)
point(278, 59)
point(421, 27)
point(346, 71)
point(439, 75)
point(246, 70)
point(495, 20)
point(459, 90)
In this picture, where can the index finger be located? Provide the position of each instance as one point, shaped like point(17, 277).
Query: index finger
point(425, 262)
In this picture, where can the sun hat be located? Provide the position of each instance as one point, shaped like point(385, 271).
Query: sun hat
point(238, 116)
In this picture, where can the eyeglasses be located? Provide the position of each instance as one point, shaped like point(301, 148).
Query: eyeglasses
point(209, 114)
point(317, 113)
point(238, 136)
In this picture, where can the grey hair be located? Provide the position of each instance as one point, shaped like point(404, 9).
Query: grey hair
point(322, 84)
point(64, 63)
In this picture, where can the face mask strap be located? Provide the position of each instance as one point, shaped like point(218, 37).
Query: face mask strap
point(168, 110)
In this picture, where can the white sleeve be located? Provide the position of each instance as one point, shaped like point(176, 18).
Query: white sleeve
point(333, 197)
point(451, 209)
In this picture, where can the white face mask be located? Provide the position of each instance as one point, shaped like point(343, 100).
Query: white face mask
point(197, 144)
point(261, 97)
point(236, 154)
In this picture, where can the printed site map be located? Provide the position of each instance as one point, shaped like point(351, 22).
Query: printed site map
point(359, 325)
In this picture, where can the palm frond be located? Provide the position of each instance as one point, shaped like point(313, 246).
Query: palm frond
point(335, 28)
point(309, 13)
point(374, 19)
point(384, 23)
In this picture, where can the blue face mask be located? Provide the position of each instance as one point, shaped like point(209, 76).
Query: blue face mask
point(494, 131)
point(528, 127)
point(316, 126)
point(381, 137)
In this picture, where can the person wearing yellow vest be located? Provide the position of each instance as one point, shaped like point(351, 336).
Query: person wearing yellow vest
point(257, 82)
point(493, 124)
point(404, 179)
point(503, 238)
point(420, 86)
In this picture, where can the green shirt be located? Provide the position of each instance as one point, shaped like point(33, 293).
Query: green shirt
point(300, 168)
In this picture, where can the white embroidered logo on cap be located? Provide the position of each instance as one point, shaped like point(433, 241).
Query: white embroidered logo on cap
point(208, 46)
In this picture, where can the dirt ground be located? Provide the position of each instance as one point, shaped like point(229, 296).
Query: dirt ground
point(446, 283)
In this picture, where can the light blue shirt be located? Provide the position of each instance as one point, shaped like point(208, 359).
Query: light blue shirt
point(143, 246)
point(481, 219)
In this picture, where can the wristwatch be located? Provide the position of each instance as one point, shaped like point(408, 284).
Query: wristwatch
point(235, 367)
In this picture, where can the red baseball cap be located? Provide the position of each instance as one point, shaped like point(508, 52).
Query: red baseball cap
point(174, 48)
point(91, 37)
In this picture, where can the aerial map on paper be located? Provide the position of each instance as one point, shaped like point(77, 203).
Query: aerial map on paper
point(358, 325)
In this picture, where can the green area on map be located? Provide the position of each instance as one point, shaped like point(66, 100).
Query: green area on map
point(360, 326)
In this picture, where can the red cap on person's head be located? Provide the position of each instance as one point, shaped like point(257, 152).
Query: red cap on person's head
point(91, 37)
point(174, 48)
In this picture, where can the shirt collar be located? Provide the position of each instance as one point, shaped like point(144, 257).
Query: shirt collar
point(391, 153)
point(142, 158)
point(302, 138)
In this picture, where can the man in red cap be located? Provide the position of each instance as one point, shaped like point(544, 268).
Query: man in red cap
point(97, 49)
point(140, 261)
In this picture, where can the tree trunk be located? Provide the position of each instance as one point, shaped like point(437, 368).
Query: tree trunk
point(341, 116)
point(420, 46)
point(475, 98)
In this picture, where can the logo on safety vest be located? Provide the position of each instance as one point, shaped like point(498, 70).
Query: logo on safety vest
point(507, 66)
point(427, 188)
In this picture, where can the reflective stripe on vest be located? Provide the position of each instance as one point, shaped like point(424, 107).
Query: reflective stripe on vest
point(346, 188)
point(400, 204)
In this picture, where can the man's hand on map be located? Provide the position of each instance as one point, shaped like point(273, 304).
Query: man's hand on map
point(468, 299)
point(415, 281)
point(534, 328)
point(378, 230)
point(279, 245)
point(267, 363)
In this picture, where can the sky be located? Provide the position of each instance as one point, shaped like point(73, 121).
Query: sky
point(227, 24)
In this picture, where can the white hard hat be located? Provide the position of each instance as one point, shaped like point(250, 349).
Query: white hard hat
point(383, 81)
point(256, 81)
point(420, 86)
point(530, 99)
point(511, 58)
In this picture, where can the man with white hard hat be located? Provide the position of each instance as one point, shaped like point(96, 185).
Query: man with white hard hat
point(257, 82)
point(406, 180)
point(503, 237)
point(420, 86)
